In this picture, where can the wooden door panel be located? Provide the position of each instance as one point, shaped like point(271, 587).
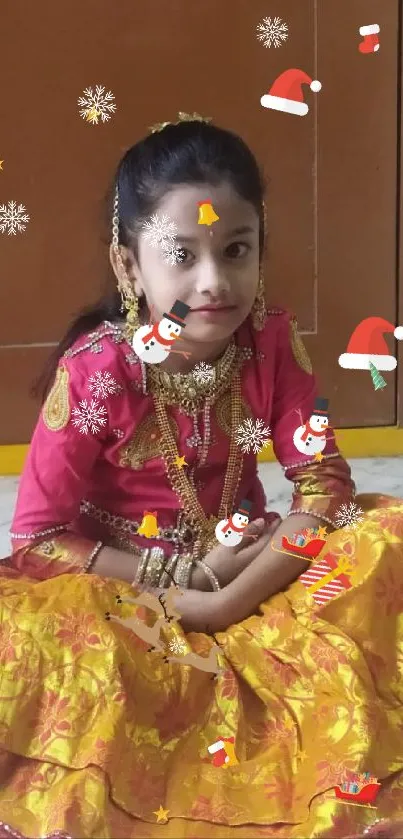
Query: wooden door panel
point(331, 199)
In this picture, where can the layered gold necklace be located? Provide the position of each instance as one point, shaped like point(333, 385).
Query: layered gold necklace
point(183, 391)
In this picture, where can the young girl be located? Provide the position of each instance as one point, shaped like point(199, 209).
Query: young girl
point(131, 466)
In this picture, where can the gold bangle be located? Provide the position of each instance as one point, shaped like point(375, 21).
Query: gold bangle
point(183, 571)
point(210, 574)
point(166, 578)
point(154, 567)
point(141, 567)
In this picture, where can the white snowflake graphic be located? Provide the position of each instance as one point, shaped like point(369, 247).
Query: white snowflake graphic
point(89, 417)
point(272, 32)
point(172, 254)
point(203, 372)
point(101, 383)
point(349, 516)
point(160, 231)
point(13, 218)
point(177, 647)
point(252, 436)
point(95, 105)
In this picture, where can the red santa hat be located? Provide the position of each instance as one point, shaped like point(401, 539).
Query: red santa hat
point(286, 93)
point(367, 344)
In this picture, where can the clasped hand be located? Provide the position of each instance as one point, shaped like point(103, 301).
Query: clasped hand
point(228, 562)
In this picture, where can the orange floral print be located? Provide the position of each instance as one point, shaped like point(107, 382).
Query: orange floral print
point(49, 716)
point(389, 590)
point(229, 686)
point(76, 632)
point(280, 788)
point(282, 671)
point(8, 636)
point(325, 656)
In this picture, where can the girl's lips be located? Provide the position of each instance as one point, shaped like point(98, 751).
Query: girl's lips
point(214, 314)
point(215, 309)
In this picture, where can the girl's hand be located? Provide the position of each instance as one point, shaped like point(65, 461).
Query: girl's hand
point(199, 610)
point(228, 562)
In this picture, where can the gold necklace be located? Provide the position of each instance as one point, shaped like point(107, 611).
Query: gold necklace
point(188, 390)
point(185, 490)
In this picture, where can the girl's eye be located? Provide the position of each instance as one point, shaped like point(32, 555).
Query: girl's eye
point(182, 255)
point(237, 249)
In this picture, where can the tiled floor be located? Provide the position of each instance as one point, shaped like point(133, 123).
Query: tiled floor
point(371, 475)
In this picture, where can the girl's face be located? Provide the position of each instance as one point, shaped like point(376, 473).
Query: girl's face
point(218, 272)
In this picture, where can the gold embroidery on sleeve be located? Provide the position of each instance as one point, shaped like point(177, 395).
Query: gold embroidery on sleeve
point(56, 410)
point(298, 348)
point(145, 443)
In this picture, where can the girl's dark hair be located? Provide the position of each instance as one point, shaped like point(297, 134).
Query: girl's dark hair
point(188, 153)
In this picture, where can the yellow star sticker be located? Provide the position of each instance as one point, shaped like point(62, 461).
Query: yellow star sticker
point(302, 756)
point(180, 462)
point(1, 164)
point(162, 815)
point(92, 115)
point(322, 532)
point(319, 457)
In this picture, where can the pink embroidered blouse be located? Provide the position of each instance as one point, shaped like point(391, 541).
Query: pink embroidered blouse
point(94, 478)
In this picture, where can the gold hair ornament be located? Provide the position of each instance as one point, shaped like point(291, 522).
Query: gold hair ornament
point(159, 126)
point(129, 298)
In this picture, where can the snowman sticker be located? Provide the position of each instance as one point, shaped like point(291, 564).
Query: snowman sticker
point(230, 531)
point(310, 438)
point(153, 342)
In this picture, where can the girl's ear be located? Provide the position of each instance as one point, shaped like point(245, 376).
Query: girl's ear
point(130, 266)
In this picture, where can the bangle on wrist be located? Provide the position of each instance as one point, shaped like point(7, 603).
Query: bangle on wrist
point(183, 571)
point(92, 557)
point(141, 567)
point(154, 567)
point(169, 571)
point(210, 574)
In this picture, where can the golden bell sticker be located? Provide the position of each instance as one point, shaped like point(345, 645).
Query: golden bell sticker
point(149, 527)
point(207, 214)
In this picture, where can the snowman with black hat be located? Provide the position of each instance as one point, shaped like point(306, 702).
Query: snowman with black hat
point(153, 342)
point(310, 438)
point(230, 531)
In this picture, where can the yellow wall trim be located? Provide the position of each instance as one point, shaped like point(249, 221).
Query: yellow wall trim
point(353, 442)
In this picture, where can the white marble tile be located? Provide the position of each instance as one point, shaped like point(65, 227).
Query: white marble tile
point(380, 474)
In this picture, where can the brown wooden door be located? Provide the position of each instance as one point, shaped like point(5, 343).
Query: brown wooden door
point(333, 173)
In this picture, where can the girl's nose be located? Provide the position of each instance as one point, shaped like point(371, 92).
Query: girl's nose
point(212, 279)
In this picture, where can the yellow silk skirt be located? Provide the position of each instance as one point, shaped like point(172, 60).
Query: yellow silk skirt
point(97, 734)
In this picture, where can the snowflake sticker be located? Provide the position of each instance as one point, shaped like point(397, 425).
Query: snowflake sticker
point(102, 384)
point(252, 436)
point(160, 230)
point(203, 373)
point(13, 218)
point(95, 105)
point(172, 254)
point(177, 647)
point(272, 32)
point(89, 417)
point(349, 516)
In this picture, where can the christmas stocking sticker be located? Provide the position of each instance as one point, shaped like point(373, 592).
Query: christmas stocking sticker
point(371, 40)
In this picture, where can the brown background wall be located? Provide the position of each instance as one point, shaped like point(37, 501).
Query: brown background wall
point(332, 201)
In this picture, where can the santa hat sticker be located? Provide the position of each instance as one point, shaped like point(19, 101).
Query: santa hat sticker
point(286, 94)
point(371, 40)
point(368, 346)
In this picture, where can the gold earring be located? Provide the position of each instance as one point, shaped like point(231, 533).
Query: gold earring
point(259, 308)
point(129, 298)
